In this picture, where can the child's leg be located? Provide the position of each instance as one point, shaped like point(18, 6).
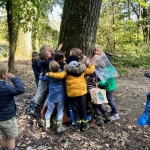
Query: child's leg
point(98, 114)
point(4, 141)
point(83, 116)
point(111, 102)
point(48, 114)
point(11, 143)
point(44, 108)
point(41, 92)
point(9, 132)
point(74, 102)
point(60, 128)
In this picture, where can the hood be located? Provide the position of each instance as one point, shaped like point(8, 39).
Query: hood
point(75, 70)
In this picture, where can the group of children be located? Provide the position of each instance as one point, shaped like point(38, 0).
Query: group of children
point(61, 83)
point(69, 81)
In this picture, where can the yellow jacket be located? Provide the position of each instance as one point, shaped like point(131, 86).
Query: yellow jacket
point(75, 81)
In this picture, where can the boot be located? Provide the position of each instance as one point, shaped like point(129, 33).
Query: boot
point(76, 126)
point(46, 124)
point(60, 128)
point(106, 117)
point(85, 125)
point(100, 120)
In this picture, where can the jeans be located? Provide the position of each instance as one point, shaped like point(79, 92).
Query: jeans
point(78, 105)
point(111, 102)
point(59, 107)
point(98, 109)
point(41, 92)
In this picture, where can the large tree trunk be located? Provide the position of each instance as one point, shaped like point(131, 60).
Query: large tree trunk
point(79, 25)
point(11, 61)
point(23, 47)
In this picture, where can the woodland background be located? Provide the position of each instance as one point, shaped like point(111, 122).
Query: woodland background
point(122, 27)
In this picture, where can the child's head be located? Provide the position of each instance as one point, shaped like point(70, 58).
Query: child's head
point(59, 57)
point(35, 56)
point(54, 66)
point(45, 52)
point(98, 61)
point(98, 50)
point(72, 60)
point(77, 52)
point(3, 70)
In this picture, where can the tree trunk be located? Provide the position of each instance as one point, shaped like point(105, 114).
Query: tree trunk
point(11, 61)
point(79, 25)
point(23, 47)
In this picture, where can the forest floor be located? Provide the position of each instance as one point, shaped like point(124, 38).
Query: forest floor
point(123, 134)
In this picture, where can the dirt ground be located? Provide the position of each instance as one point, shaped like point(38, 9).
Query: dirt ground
point(123, 134)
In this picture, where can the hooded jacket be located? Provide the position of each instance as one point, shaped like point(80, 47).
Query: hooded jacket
point(75, 81)
point(7, 93)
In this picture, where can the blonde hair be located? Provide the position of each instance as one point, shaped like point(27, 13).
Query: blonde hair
point(99, 47)
point(54, 66)
point(3, 69)
point(77, 52)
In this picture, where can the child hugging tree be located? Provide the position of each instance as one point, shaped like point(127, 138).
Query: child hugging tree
point(56, 97)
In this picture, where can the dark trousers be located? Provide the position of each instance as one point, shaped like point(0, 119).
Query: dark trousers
point(78, 105)
point(98, 109)
point(111, 102)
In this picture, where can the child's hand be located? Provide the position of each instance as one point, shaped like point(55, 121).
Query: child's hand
point(8, 76)
point(59, 47)
point(46, 74)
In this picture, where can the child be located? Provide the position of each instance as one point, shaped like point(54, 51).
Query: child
point(42, 89)
point(106, 73)
point(99, 108)
point(144, 119)
point(8, 124)
point(76, 89)
point(56, 97)
point(35, 66)
point(98, 50)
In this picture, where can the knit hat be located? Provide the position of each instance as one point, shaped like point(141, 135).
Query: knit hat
point(72, 59)
point(146, 74)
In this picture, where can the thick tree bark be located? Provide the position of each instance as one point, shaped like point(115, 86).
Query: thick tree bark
point(11, 61)
point(79, 25)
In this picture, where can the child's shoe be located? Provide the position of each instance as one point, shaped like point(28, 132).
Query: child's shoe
point(60, 128)
point(84, 125)
point(99, 121)
point(115, 117)
point(16, 148)
point(46, 124)
point(106, 117)
point(76, 126)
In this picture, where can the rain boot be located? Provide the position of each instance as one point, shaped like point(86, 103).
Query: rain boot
point(106, 117)
point(76, 126)
point(100, 120)
point(60, 128)
point(84, 125)
point(46, 124)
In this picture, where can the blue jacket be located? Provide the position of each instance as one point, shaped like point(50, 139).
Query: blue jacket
point(144, 119)
point(57, 90)
point(7, 93)
point(36, 69)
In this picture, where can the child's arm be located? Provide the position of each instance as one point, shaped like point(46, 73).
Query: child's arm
point(90, 70)
point(36, 72)
point(57, 75)
point(44, 78)
point(19, 88)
